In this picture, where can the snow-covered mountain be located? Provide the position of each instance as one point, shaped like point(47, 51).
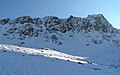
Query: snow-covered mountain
point(55, 30)
point(91, 41)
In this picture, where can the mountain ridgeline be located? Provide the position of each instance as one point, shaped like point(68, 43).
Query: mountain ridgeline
point(54, 29)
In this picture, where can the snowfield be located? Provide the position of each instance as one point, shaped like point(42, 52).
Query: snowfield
point(15, 60)
point(46, 53)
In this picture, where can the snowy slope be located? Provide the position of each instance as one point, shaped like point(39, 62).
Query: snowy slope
point(46, 53)
point(53, 46)
point(30, 61)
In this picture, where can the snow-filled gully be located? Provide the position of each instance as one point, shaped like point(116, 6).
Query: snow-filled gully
point(47, 53)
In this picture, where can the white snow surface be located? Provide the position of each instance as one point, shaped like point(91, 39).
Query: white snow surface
point(77, 55)
point(46, 53)
point(16, 60)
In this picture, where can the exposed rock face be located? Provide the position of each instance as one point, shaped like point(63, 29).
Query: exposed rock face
point(22, 20)
point(55, 39)
point(51, 26)
point(4, 21)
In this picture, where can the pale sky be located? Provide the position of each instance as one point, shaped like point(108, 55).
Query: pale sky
point(61, 8)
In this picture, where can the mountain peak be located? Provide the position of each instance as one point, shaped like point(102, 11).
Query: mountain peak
point(96, 15)
point(95, 22)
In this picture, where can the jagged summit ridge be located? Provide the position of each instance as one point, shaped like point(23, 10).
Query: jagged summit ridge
point(92, 22)
point(53, 28)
